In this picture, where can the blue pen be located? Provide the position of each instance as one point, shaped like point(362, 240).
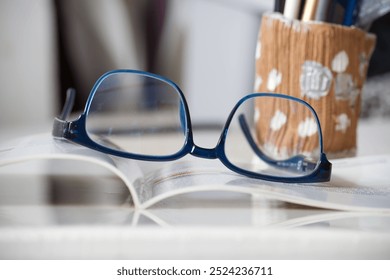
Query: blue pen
point(351, 11)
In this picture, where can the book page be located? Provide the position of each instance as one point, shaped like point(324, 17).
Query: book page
point(45, 147)
point(361, 183)
point(357, 184)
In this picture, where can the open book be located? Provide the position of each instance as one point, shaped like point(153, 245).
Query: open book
point(357, 184)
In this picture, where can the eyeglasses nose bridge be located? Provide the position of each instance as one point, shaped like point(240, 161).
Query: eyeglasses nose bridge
point(204, 152)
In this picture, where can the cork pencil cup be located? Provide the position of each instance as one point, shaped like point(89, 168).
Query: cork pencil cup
point(321, 63)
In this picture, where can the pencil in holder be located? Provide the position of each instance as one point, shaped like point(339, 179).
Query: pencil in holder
point(321, 63)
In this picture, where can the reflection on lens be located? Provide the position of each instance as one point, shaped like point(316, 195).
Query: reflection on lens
point(274, 136)
point(129, 111)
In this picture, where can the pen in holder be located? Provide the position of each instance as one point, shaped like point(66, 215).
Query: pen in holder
point(321, 63)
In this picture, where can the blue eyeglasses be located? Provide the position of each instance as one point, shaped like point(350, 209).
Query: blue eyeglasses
point(143, 116)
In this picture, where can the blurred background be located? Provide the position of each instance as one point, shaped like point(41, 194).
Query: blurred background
point(206, 46)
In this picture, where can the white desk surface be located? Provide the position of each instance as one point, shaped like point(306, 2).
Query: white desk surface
point(79, 217)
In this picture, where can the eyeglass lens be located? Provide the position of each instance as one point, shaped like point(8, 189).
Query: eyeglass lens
point(273, 136)
point(127, 111)
point(267, 134)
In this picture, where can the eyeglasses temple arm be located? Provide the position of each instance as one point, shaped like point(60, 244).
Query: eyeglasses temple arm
point(69, 103)
point(296, 163)
point(60, 123)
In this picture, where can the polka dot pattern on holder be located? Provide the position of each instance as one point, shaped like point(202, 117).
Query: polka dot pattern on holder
point(278, 120)
point(274, 79)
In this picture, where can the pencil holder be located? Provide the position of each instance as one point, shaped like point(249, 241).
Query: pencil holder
point(323, 64)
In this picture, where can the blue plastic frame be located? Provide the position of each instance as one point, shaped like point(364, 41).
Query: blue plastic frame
point(75, 131)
